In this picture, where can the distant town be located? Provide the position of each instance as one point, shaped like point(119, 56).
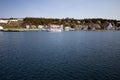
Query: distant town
point(57, 25)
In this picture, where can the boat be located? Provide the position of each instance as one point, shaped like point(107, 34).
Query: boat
point(55, 29)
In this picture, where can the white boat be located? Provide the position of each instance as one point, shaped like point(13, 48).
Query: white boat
point(55, 28)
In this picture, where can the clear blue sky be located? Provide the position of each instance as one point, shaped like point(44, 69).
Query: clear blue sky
point(80, 9)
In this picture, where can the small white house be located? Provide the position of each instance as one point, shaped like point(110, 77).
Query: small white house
point(110, 27)
point(67, 28)
point(1, 28)
point(40, 26)
point(13, 20)
point(27, 26)
point(55, 28)
point(4, 21)
point(33, 26)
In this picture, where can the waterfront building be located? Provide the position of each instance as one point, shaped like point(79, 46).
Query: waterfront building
point(4, 21)
point(55, 28)
point(27, 26)
point(67, 28)
point(1, 28)
point(110, 27)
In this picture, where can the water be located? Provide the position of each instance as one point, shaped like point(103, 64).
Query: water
point(77, 55)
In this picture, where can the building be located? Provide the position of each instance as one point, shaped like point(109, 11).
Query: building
point(67, 28)
point(110, 27)
point(4, 21)
point(55, 28)
point(27, 26)
point(33, 26)
point(1, 28)
point(40, 27)
point(7, 21)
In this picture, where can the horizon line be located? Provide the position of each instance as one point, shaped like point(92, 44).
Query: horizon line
point(61, 18)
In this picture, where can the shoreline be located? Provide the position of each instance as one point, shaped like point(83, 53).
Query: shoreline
point(26, 30)
point(18, 30)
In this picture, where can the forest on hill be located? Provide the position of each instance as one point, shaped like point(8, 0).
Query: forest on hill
point(77, 24)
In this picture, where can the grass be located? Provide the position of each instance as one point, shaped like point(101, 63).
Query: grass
point(14, 27)
point(17, 28)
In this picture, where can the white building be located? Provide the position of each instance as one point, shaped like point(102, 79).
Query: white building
point(4, 21)
point(40, 26)
point(13, 20)
point(27, 26)
point(67, 28)
point(33, 26)
point(55, 28)
point(110, 27)
point(1, 28)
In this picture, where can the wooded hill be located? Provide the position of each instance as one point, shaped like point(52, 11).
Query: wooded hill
point(97, 23)
point(77, 24)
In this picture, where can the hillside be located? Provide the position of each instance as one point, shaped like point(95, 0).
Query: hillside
point(77, 24)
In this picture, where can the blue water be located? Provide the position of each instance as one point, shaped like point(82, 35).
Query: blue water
point(77, 55)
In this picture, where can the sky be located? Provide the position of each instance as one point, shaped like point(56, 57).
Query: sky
point(79, 9)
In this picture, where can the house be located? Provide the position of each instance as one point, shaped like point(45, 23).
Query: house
point(67, 28)
point(78, 22)
point(110, 27)
point(1, 28)
point(55, 28)
point(27, 26)
point(33, 26)
point(4, 21)
point(15, 20)
point(8, 21)
point(40, 27)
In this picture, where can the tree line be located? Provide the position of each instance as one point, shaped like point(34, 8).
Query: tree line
point(65, 21)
